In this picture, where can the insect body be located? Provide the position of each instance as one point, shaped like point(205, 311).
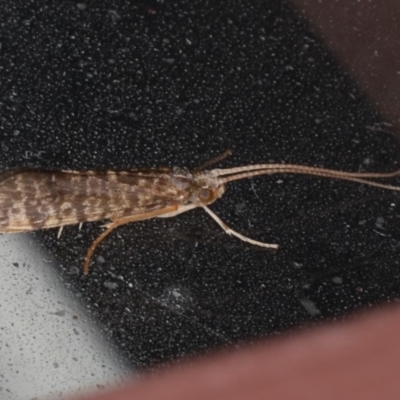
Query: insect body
point(36, 199)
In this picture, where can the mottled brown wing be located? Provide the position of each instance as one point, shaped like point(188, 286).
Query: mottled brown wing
point(34, 199)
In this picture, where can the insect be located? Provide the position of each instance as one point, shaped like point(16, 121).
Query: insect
point(32, 199)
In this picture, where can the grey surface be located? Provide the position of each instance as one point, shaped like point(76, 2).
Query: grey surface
point(134, 84)
point(49, 343)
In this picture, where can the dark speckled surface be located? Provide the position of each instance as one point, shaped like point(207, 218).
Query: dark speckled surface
point(120, 84)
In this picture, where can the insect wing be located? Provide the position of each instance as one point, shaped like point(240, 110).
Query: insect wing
point(31, 199)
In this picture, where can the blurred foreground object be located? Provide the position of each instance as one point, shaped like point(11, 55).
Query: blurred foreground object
point(359, 359)
point(365, 39)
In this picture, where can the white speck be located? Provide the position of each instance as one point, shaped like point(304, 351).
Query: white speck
point(114, 15)
point(176, 294)
point(111, 285)
point(169, 60)
point(380, 222)
point(367, 161)
point(310, 307)
point(100, 260)
point(337, 279)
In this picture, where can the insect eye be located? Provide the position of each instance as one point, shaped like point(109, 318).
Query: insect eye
point(205, 194)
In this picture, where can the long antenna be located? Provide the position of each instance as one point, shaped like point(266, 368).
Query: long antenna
point(232, 174)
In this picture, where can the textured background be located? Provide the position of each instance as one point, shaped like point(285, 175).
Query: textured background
point(125, 84)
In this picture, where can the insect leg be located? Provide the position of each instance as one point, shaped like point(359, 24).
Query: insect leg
point(230, 231)
point(60, 231)
point(119, 222)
